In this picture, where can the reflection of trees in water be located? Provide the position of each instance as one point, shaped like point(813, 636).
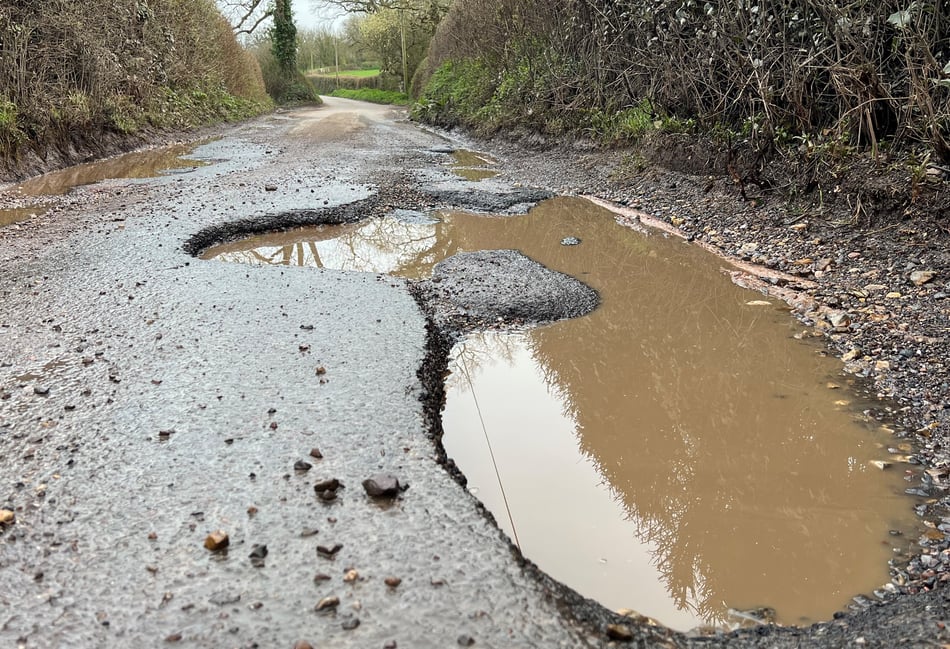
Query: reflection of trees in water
point(681, 398)
point(685, 402)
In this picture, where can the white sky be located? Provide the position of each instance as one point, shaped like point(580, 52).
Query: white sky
point(307, 17)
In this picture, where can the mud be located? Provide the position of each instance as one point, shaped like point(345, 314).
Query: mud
point(139, 337)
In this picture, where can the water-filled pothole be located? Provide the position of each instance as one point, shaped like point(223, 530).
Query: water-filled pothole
point(678, 451)
point(138, 164)
point(473, 166)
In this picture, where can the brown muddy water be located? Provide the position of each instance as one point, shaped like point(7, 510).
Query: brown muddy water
point(677, 452)
point(473, 166)
point(138, 164)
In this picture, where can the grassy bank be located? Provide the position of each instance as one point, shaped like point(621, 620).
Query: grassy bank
point(373, 96)
point(76, 74)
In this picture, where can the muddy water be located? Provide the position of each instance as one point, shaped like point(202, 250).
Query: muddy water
point(677, 452)
point(139, 164)
point(473, 166)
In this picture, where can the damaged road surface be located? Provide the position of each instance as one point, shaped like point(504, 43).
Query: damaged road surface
point(203, 454)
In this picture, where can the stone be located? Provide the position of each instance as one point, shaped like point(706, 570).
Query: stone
point(351, 576)
point(329, 552)
point(881, 464)
point(570, 241)
point(466, 640)
point(350, 623)
point(327, 485)
point(881, 366)
point(41, 390)
point(852, 355)
point(302, 467)
point(258, 552)
point(302, 644)
point(382, 485)
point(316, 454)
point(327, 604)
point(393, 582)
point(840, 320)
point(619, 632)
point(7, 517)
point(270, 188)
point(217, 541)
point(921, 277)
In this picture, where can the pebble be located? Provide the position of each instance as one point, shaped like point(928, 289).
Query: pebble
point(466, 640)
point(921, 277)
point(327, 485)
point(350, 624)
point(7, 517)
point(302, 644)
point(258, 552)
point(316, 454)
point(327, 603)
point(570, 241)
point(217, 541)
point(41, 390)
point(393, 582)
point(382, 485)
point(619, 632)
point(351, 576)
point(302, 467)
point(329, 552)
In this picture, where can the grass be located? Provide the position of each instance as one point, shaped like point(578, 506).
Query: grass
point(352, 74)
point(373, 96)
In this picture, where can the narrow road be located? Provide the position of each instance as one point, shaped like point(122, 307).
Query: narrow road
point(132, 337)
point(149, 398)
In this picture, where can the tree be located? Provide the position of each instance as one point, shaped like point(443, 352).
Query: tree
point(284, 38)
point(245, 16)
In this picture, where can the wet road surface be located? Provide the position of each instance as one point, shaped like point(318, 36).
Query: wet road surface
point(149, 398)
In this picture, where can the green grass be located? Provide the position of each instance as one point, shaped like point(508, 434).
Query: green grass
point(374, 96)
point(353, 74)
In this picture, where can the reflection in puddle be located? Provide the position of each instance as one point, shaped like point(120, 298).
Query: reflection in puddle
point(676, 452)
point(473, 166)
point(139, 164)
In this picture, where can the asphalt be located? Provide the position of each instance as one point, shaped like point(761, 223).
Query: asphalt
point(149, 398)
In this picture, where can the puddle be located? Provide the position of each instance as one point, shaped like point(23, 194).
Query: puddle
point(17, 214)
point(473, 166)
point(676, 452)
point(138, 164)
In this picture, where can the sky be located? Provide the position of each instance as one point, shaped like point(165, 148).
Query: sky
point(307, 17)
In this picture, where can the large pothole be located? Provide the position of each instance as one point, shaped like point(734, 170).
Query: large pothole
point(681, 451)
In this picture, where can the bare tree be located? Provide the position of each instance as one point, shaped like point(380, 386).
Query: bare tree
point(246, 15)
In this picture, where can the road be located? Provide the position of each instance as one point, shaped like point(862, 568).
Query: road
point(149, 398)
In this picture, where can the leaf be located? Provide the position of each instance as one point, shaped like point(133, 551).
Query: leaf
point(946, 68)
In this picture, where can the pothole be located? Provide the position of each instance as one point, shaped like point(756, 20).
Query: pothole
point(678, 452)
point(473, 166)
point(138, 164)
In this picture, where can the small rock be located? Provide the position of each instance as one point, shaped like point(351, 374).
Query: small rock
point(270, 188)
point(327, 604)
point(619, 632)
point(852, 355)
point(217, 541)
point(321, 577)
point(570, 241)
point(328, 485)
point(165, 434)
point(351, 576)
point(921, 277)
point(894, 295)
point(302, 467)
point(7, 517)
point(316, 454)
point(302, 644)
point(329, 552)
point(840, 320)
point(350, 624)
point(41, 390)
point(175, 637)
point(382, 485)
point(466, 640)
point(758, 303)
point(881, 464)
point(258, 552)
point(881, 366)
point(327, 496)
point(393, 582)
